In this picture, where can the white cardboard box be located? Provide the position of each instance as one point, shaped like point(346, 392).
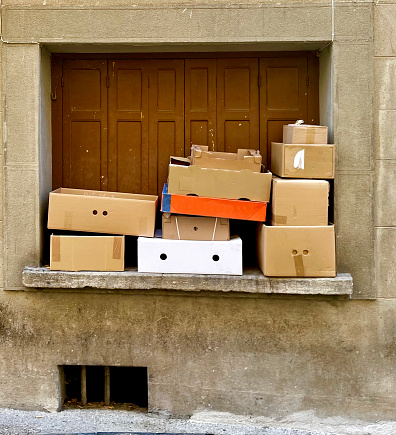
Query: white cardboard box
point(157, 255)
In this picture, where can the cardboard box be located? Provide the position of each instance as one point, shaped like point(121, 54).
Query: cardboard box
point(190, 256)
point(242, 159)
point(181, 227)
point(305, 134)
point(102, 212)
point(299, 202)
point(297, 251)
point(97, 253)
point(219, 183)
point(183, 161)
point(216, 207)
point(302, 160)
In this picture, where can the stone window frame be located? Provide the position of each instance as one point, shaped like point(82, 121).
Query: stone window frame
point(345, 49)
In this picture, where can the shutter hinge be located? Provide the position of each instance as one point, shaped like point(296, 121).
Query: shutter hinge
point(107, 82)
point(307, 80)
point(259, 81)
point(53, 95)
point(62, 82)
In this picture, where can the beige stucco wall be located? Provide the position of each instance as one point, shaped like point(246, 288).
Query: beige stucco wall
point(385, 103)
point(279, 354)
point(245, 355)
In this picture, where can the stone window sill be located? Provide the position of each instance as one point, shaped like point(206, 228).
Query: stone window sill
point(252, 281)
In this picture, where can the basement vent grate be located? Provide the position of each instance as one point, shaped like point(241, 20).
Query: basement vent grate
point(112, 387)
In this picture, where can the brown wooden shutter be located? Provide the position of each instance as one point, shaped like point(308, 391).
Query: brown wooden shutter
point(166, 118)
point(283, 97)
point(237, 104)
point(57, 122)
point(147, 121)
point(85, 124)
point(200, 103)
point(128, 126)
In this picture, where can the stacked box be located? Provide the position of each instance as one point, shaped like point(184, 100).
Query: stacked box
point(305, 134)
point(304, 153)
point(159, 255)
point(116, 214)
point(98, 253)
point(242, 159)
point(297, 251)
point(303, 160)
point(212, 207)
point(299, 242)
point(182, 227)
point(299, 202)
point(102, 212)
point(219, 183)
point(203, 192)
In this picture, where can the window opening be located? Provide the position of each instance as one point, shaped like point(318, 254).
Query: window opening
point(129, 386)
point(95, 384)
point(104, 386)
point(72, 383)
point(286, 89)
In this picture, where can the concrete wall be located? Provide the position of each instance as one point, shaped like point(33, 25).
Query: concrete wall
point(385, 155)
point(244, 354)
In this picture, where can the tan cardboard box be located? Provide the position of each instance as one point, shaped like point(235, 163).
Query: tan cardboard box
point(305, 134)
point(242, 159)
point(299, 202)
point(303, 160)
point(102, 212)
point(181, 227)
point(184, 161)
point(219, 183)
point(296, 251)
point(97, 253)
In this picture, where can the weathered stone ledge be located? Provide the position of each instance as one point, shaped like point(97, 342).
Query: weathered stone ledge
point(252, 281)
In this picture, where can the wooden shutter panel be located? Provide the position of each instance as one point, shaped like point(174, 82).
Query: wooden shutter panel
point(283, 97)
point(166, 118)
point(237, 104)
point(85, 124)
point(200, 103)
point(146, 101)
point(57, 122)
point(128, 126)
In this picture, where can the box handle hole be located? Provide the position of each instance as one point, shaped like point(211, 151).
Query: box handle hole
point(105, 213)
point(195, 228)
point(305, 252)
point(163, 256)
point(95, 212)
point(216, 257)
point(294, 252)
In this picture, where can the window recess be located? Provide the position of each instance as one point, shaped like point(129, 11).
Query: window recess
point(85, 386)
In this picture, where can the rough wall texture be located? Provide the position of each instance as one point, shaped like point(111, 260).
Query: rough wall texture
point(251, 354)
point(2, 185)
point(385, 117)
point(263, 355)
